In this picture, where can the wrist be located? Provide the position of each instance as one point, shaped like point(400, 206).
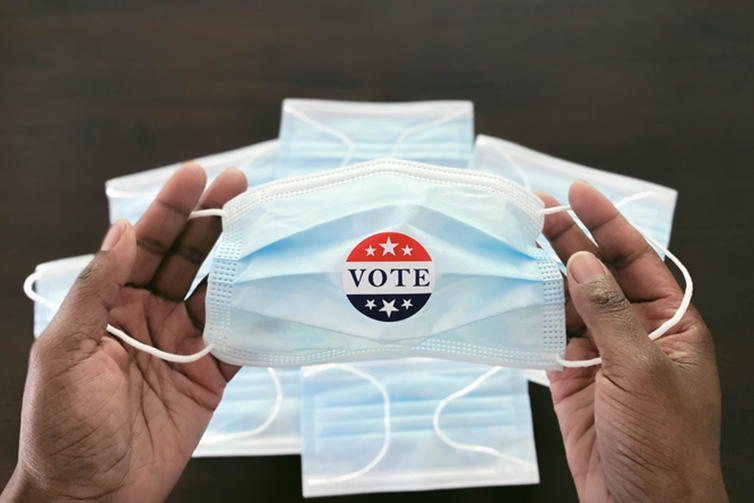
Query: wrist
point(708, 486)
point(21, 487)
point(24, 487)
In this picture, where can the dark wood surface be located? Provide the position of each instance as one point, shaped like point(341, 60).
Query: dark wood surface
point(663, 91)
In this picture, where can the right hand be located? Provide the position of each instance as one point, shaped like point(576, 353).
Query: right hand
point(644, 425)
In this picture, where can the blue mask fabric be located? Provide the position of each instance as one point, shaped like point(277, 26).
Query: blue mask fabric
point(648, 206)
point(414, 424)
point(129, 196)
point(48, 286)
point(258, 415)
point(390, 259)
point(316, 135)
point(260, 410)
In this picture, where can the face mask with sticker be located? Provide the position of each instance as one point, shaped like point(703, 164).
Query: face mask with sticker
point(414, 424)
point(260, 410)
point(388, 259)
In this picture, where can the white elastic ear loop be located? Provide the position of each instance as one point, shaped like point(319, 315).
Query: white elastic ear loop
point(120, 334)
point(29, 291)
point(386, 443)
point(469, 447)
point(421, 127)
point(259, 429)
point(662, 329)
point(315, 124)
point(163, 355)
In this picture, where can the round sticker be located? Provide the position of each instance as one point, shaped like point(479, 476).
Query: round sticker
point(389, 276)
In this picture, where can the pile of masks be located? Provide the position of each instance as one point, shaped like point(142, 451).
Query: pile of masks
point(363, 418)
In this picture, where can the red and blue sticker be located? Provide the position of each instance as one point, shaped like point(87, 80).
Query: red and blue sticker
point(389, 276)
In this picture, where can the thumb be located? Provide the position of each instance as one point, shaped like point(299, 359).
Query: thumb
point(86, 309)
point(607, 313)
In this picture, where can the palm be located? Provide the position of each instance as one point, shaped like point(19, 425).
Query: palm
point(107, 416)
point(584, 413)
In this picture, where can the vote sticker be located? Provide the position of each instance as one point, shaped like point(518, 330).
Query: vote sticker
point(389, 276)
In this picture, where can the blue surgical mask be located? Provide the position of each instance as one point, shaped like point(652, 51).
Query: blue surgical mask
point(48, 285)
point(646, 205)
point(317, 135)
point(260, 410)
point(258, 415)
point(414, 424)
point(385, 259)
point(129, 196)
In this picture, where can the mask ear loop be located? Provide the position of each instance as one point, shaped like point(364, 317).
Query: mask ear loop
point(386, 443)
point(34, 296)
point(469, 447)
point(259, 429)
point(421, 127)
point(662, 329)
point(334, 132)
point(163, 355)
point(120, 334)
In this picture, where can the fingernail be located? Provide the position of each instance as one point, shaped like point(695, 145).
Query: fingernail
point(585, 268)
point(113, 235)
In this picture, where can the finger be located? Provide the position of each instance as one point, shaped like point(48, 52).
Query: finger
point(196, 308)
point(613, 324)
point(164, 220)
point(86, 309)
point(566, 238)
point(640, 271)
point(178, 269)
point(562, 232)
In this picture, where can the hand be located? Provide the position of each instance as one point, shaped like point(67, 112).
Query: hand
point(100, 420)
point(645, 425)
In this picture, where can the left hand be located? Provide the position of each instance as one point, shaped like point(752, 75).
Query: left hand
point(102, 421)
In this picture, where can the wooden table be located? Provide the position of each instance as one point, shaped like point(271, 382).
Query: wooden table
point(657, 90)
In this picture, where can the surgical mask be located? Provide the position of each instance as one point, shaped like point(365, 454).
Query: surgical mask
point(258, 415)
point(48, 285)
point(384, 259)
point(648, 206)
point(414, 424)
point(129, 196)
point(317, 135)
point(260, 410)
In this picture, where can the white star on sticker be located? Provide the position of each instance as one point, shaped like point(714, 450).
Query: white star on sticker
point(388, 247)
point(370, 304)
point(388, 307)
point(407, 303)
point(370, 250)
point(407, 250)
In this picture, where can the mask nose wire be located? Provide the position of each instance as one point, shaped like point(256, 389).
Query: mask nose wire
point(470, 447)
point(386, 443)
point(427, 125)
point(662, 329)
point(326, 129)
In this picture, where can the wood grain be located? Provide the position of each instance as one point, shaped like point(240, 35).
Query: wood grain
point(658, 90)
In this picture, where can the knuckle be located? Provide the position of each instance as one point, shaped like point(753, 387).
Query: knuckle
point(190, 254)
point(606, 299)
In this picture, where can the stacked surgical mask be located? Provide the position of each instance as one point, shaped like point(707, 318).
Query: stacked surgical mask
point(414, 424)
